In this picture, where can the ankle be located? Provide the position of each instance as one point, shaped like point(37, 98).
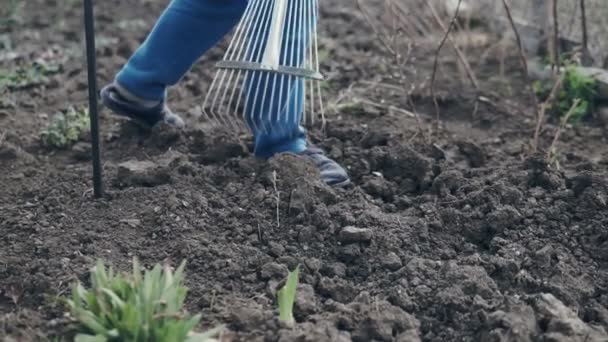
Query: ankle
point(127, 94)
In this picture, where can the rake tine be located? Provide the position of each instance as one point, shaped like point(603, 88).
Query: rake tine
point(273, 63)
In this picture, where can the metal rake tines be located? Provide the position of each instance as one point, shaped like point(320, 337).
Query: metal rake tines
point(269, 78)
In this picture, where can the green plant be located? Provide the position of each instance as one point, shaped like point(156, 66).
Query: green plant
point(24, 77)
point(66, 128)
point(574, 86)
point(134, 308)
point(10, 14)
point(287, 297)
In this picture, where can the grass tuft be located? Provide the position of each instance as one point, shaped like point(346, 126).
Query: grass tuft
point(134, 307)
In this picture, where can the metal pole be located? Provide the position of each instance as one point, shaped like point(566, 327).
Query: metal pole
point(93, 107)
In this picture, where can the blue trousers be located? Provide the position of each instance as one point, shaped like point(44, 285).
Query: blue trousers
point(184, 32)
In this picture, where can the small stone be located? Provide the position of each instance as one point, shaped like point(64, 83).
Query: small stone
point(392, 261)
point(141, 173)
point(354, 235)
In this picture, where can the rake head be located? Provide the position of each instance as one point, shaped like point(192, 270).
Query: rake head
point(269, 77)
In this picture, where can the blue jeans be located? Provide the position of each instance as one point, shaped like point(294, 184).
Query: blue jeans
point(184, 32)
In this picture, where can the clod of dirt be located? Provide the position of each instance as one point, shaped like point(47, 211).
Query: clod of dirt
point(141, 173)
point(447, 182)
point(354, 235)
point(81, 151)
point(562, 324)
point(9, 151)
point(216, 147)
point(473, 152)
point(391, 261)
point(273, 270)
point(517, 322)
point(379, 187)
point(503, 218)
point(164, 135)
point(382, 321)
point(305, 301)
point(401, 164)
point(333, 270)
point(337, 289)
point(298, 183)
point(540, 174)
point(314, 332)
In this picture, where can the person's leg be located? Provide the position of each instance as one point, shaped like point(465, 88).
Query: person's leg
point(274, 113)
point(275, 103)
point(185, 30)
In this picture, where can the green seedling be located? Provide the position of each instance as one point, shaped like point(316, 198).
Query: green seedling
point(25, 77)
point(66, 128)
point(287, 297)
point(134, 307)
point(575, 86)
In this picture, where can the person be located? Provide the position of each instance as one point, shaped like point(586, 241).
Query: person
point(183, 33)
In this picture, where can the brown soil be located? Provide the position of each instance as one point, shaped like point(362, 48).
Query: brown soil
point(462, 238)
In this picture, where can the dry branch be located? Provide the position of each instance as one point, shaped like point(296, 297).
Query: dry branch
point(556, 52)
point(563, 122)
point(437, 52)
point(543, 110)
point(524, 62)
point(584, 27)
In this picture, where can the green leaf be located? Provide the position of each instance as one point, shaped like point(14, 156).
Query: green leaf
point(287, 297)
point(89, 338)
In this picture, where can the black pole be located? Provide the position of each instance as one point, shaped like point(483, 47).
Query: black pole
point(93, 107)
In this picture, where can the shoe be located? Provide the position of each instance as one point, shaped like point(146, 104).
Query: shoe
point(332, 173)
point(145, 116)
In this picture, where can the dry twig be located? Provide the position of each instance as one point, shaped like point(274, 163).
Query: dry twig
point(556, 50)
point(436, 62)
point(277, 197)
point(584, 26)
point(448, 36)
point(524, 62)
point(551, 153)
point(400, 58)
point(543, 110)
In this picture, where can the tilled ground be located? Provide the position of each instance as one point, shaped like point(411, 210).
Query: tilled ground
point(462, 237)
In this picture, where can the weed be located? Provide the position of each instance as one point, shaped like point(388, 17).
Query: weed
point(287, 297)
point(575, 86)
point(25, 77)
point(66, 128)
point(134, 307)
point(10, 14)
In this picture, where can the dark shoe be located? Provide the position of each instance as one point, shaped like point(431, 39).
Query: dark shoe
point(332, 173)
point(145, 116)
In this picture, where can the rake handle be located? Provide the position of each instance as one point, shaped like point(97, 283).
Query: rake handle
point(272, 53)
point(89, 25)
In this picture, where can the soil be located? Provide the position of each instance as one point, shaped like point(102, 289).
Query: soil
point(462, 237)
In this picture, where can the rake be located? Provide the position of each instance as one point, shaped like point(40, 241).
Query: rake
point(269, 76)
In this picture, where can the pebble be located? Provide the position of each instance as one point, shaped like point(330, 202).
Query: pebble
point(391, 261)
point(354, 235)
